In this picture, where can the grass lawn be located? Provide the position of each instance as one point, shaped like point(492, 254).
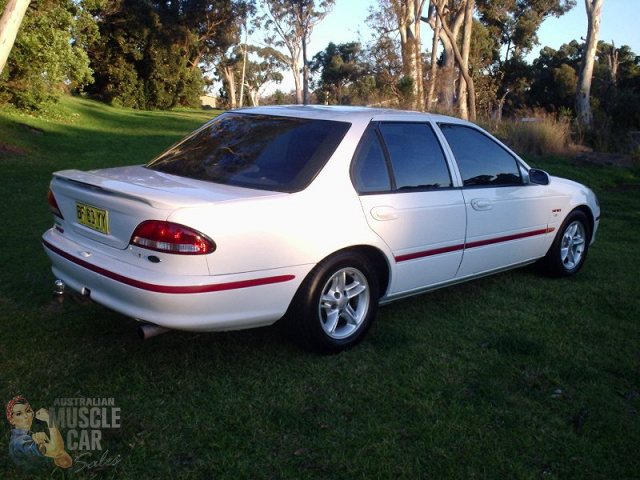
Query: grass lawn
point(512, 376)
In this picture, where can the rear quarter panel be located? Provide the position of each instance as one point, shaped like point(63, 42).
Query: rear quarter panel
point(288, 229)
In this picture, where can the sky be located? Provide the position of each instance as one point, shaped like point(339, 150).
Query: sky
point(619, 23)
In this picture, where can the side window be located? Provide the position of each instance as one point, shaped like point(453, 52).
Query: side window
point(482, 161)
point(417, 160)
point(370, 173)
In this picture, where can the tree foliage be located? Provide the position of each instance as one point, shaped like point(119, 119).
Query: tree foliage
point(515, 23)
point(148, 53)
point(261, 65)
point(45, 59)
point(339, 67)
point(288, 25)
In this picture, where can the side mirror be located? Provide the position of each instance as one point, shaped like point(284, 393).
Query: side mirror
point(538, 177)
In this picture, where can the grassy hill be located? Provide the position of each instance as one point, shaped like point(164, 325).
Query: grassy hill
point(512, 376)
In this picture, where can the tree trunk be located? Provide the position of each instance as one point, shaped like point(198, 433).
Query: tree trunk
point(244, 67)
point(305, 72)
point(464, 68)
point(244, 70)
point(419, 5)
point(9, 26)
point(295, 68)
point(501, 105)
point(583, 109)
point(447, 72)
point(254, 96)
point(408, 13)
point(613, 61)
point(463, 103)
point(228, 73)
point(433, 73)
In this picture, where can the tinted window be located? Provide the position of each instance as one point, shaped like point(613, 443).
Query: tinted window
point(482, 161)
point(417, 160)
point(255, 151)
point(370, 173)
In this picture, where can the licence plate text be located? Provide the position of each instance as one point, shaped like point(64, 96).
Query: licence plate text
point(92, 217)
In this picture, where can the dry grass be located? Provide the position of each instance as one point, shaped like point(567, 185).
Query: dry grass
point(537, 134)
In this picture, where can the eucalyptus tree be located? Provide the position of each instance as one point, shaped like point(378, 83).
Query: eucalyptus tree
point(289, 25)
point(453, 12)
point(251, 67)
point(583, 108)
point(463, 64)
point(265, 68)
point(514, 25)
point(403, 17)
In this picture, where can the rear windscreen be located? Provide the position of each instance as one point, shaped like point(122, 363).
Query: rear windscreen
point(255, 151)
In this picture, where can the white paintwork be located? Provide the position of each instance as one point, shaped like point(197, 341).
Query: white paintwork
point(504, 211)
point(412, 232)
point(261, 234)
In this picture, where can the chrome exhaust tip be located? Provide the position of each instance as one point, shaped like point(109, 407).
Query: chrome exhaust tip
point(149, 330)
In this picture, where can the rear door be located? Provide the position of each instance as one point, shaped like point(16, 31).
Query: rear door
point(407, 193)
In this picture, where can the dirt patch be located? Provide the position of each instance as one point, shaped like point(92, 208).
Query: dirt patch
point(607, 159)
point(30, 129)
point(7, 150)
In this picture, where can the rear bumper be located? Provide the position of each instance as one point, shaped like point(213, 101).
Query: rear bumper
point(181, 302)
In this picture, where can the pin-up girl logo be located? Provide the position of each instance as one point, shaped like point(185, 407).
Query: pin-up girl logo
point(34, 451)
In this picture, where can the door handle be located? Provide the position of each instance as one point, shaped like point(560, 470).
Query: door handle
point(384, 213)
point(481, 204)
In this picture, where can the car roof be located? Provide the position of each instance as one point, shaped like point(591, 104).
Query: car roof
point(350, 114)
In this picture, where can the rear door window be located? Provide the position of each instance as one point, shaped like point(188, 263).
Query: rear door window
point(400, 157)
point(416, 157)
point(370, 170)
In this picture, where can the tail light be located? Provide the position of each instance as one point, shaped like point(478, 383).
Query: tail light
point(170, 237)
point(53, 205)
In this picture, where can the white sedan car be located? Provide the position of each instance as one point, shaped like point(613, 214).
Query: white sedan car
point(315, 215)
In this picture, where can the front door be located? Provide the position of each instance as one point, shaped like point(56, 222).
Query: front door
point(506, 217)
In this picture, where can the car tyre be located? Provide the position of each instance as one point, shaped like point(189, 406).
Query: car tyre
point(335, 306)
point(569, 249)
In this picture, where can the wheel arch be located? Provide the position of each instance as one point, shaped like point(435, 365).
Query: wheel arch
point(296, 321)
point(380, 263)
point(590, 217)
point(377, 258)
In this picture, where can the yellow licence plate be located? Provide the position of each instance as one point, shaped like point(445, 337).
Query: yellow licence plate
point(92, 217)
